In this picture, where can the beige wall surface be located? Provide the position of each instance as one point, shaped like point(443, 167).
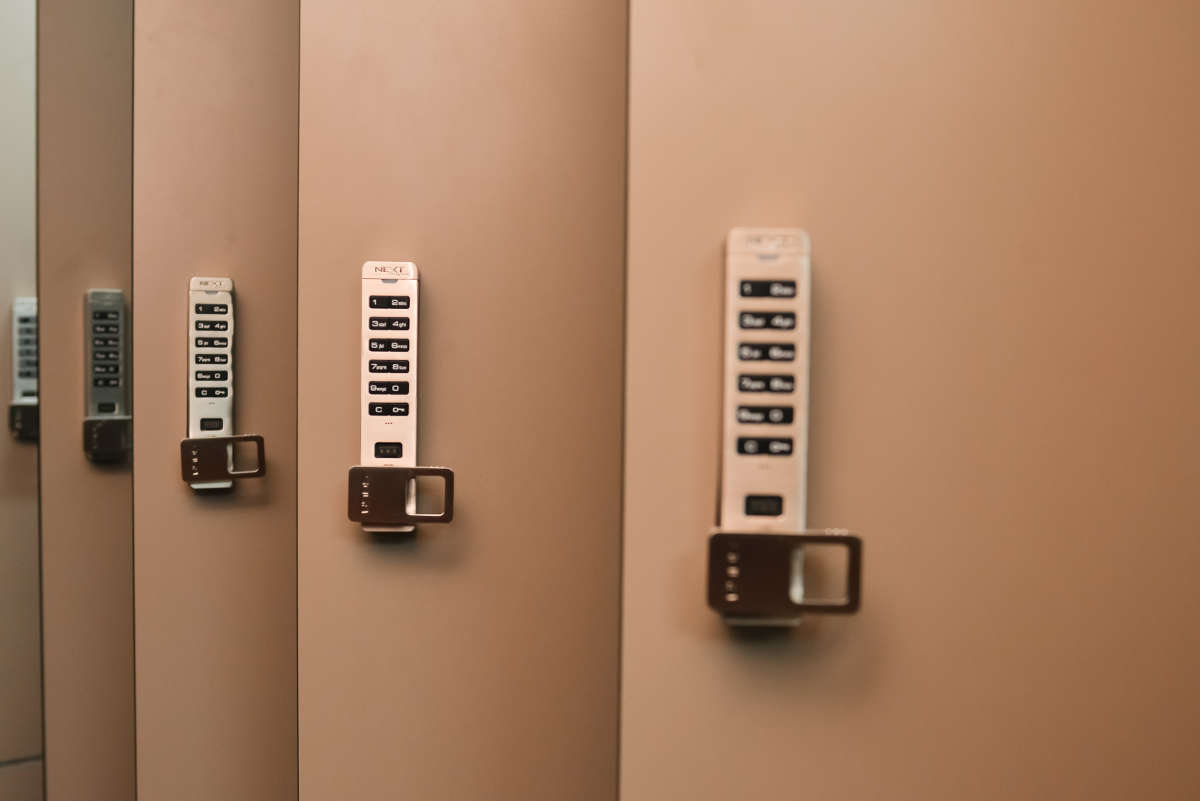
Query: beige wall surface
point(22, 781)
point(20, 645)
point(18, 139)
point(215, 576)
point(1002, 199)
point(85, 217)
point(485, 143)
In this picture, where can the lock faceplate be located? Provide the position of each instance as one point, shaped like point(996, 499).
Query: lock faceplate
point(23, 421)
point(752, 578)
point(211, 459)
point(386, 496)
point(107, 439)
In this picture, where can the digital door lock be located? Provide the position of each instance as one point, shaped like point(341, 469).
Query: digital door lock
point(382, 491)
point(756, 555)
point(209, 455)
point(107, 424)
point(23, 411)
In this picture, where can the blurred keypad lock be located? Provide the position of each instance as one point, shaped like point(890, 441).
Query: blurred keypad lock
point(23, 410)
point(107, 422)
point(756, 557)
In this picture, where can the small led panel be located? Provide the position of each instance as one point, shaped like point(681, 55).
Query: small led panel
point(210, 362)
point(388, 427)
point(765, 414)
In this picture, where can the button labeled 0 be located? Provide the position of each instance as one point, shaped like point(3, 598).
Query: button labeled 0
point(765, 415)
point(388, 387)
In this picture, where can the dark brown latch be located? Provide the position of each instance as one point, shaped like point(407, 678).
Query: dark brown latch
point(756, 579)
point(386, 496)
point(211, 459)
point(23, 421)
point(107, 439)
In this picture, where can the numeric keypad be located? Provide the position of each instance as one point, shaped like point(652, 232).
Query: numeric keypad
point(766, 380)
point(210, 362)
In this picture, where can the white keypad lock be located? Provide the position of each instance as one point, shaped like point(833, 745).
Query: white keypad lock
point(23, 411)
point(756, 554)
point(209, 454)
point(382, 493)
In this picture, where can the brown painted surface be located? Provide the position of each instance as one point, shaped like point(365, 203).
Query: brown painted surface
point(215, 194)
point(21, 782)
point(20, 641)
point(20, 625)
point(487, 145)
point(1002, 199)
point(85, 220)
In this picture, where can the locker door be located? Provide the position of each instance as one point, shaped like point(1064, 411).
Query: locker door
point(85, 177)
point(486, 144)
point(215, 574)
point(1002, 200)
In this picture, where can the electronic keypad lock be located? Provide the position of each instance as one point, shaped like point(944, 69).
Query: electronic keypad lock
point(107, 425)
point(756, 555)
point(209, 456)
point(23, 412)
point(382, 491)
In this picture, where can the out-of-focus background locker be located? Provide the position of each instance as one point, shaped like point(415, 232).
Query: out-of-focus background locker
point(85, 177)
point(1002, 199)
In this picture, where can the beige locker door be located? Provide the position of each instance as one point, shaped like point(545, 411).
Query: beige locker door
point(485, 142)
point(215, 576)
point(85, 175)
point(1002, 199)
